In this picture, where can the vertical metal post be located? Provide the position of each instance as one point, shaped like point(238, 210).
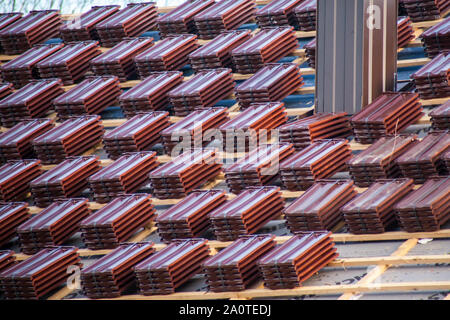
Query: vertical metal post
point(356, 54)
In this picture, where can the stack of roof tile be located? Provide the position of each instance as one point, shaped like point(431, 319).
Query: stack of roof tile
point(181, 19)
point(235, 267)
point(111, 275)
point(390, 113)
point(224, 15)
point(310, 49)
point(16, 144)
point(401, 8)
point(118, 61)
point(91, 96)
point(127, 174)
point(298, 259)
point(423, 159)
point(83, 27)
point(373, 210)
point(188, 171)
point(168, 269)
point(278, 13)
point(306, 14)
point(8, 18)
point(15, 177)
point(249, 127)
point(151, 93)
point(405, 31)
point(420, 10)
point(432, 80)
point(53, 225)
point(322, 159)
point(32, 101)
point(66, 180)
point(437, 38)
point(427, 208)
point(440, 117)
point(40, 274)
point(273, 82)
point(270, 44)
point(132, 21)
point(445, 162)
point(12, 215)
point(378, 161)
point(71, 138)
point(7, 259)
point(258, 168)
point(117, 221)
point(190, 131)
point(303, 132)
point(22, 69)
point(70, 63)
point(189, 218)
point(204, 90)
point(36, 27)
point(247, 213)
point(319, 208)
point(171, 53)
point(140, 133)
point(5, 89)
point(217, 52)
